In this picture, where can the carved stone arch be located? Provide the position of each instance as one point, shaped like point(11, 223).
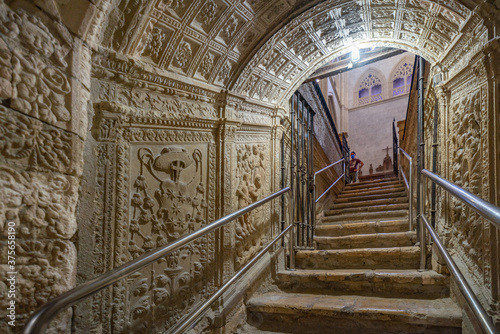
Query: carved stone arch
point(371, 77)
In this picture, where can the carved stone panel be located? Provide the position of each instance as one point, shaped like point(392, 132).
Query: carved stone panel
point(253, 182)
point(161, 177)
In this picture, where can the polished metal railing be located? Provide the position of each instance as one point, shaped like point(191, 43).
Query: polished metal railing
point(485, 209)
point(39, 321)
point(409, 184)
point(316, 200)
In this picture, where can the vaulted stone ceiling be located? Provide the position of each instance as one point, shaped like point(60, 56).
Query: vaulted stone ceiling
point(264, 49)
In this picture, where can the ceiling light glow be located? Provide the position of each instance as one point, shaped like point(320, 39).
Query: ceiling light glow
point(355, 55)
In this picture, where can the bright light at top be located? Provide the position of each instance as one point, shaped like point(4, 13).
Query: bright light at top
point(355, 55)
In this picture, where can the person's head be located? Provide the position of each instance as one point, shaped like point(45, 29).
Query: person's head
point(353, 155)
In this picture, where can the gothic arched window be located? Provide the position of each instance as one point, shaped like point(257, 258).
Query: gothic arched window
point(401, 80)
point(370, 90)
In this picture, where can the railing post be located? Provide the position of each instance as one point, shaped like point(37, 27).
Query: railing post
point(312, 208)
point(410, 195)
point(420, 161)
point(282, 185)
point(303, 175)
point(434, 165)
point(297, 173)
point(291, 200)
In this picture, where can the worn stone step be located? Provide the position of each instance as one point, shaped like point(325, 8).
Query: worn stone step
point(374, 181)
point(342, 229)
point(364, 216)
point(372, 240)
point(374, 191)
point(358, 186)
point(372, 202)
point(310, 313)
point(361, 198)
point(367, 208)
point(382, 283)
point(360, 258)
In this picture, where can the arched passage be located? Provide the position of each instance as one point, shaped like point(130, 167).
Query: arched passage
point(209, 83)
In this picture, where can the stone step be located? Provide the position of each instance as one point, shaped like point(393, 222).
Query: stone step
point(382, 283)
point(367, 208)
point(359, 204)
point(373, 240)
point(374, 181)
point(357, 186)
point(374, 191)
point(360, 258)
point(342, 229)
point(310, 313)
point(361, 198)
point(365, 216)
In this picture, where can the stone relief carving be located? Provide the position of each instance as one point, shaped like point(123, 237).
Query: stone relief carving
point(154, 44)
point(35, 68)
point(252, 185)
point(467, 157)
point(168, 200)
point(42, 207)
point(36, 144)
point(183, 55)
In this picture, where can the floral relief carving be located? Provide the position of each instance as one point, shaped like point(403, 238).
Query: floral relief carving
point(207, 65)
point(39, 88)
point(154, 44)
point(35, 144)
point(183, 55)
point(42, 207)
point(209, 13)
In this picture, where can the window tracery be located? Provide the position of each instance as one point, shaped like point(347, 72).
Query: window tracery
point(370, 90)
point(401, 79)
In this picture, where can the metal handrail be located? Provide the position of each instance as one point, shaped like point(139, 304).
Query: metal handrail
point(409, 186)
point(321, 171)
point(484, 208)
point(39, 321)
point(199, 311)
point(470, 297)
point(316, 200)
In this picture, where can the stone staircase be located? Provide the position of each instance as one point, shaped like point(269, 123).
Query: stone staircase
point(362, 277)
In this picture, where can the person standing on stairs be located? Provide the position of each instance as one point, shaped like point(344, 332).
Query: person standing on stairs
point(354, 166)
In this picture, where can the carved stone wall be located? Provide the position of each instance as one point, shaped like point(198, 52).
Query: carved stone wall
point(165, 160)
point(469, 165)
point(160, 193)
point(43, 122)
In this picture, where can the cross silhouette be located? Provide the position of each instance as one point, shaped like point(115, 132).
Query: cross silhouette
point(386, 149)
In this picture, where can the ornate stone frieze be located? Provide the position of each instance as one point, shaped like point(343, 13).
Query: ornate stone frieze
point(130, 73)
